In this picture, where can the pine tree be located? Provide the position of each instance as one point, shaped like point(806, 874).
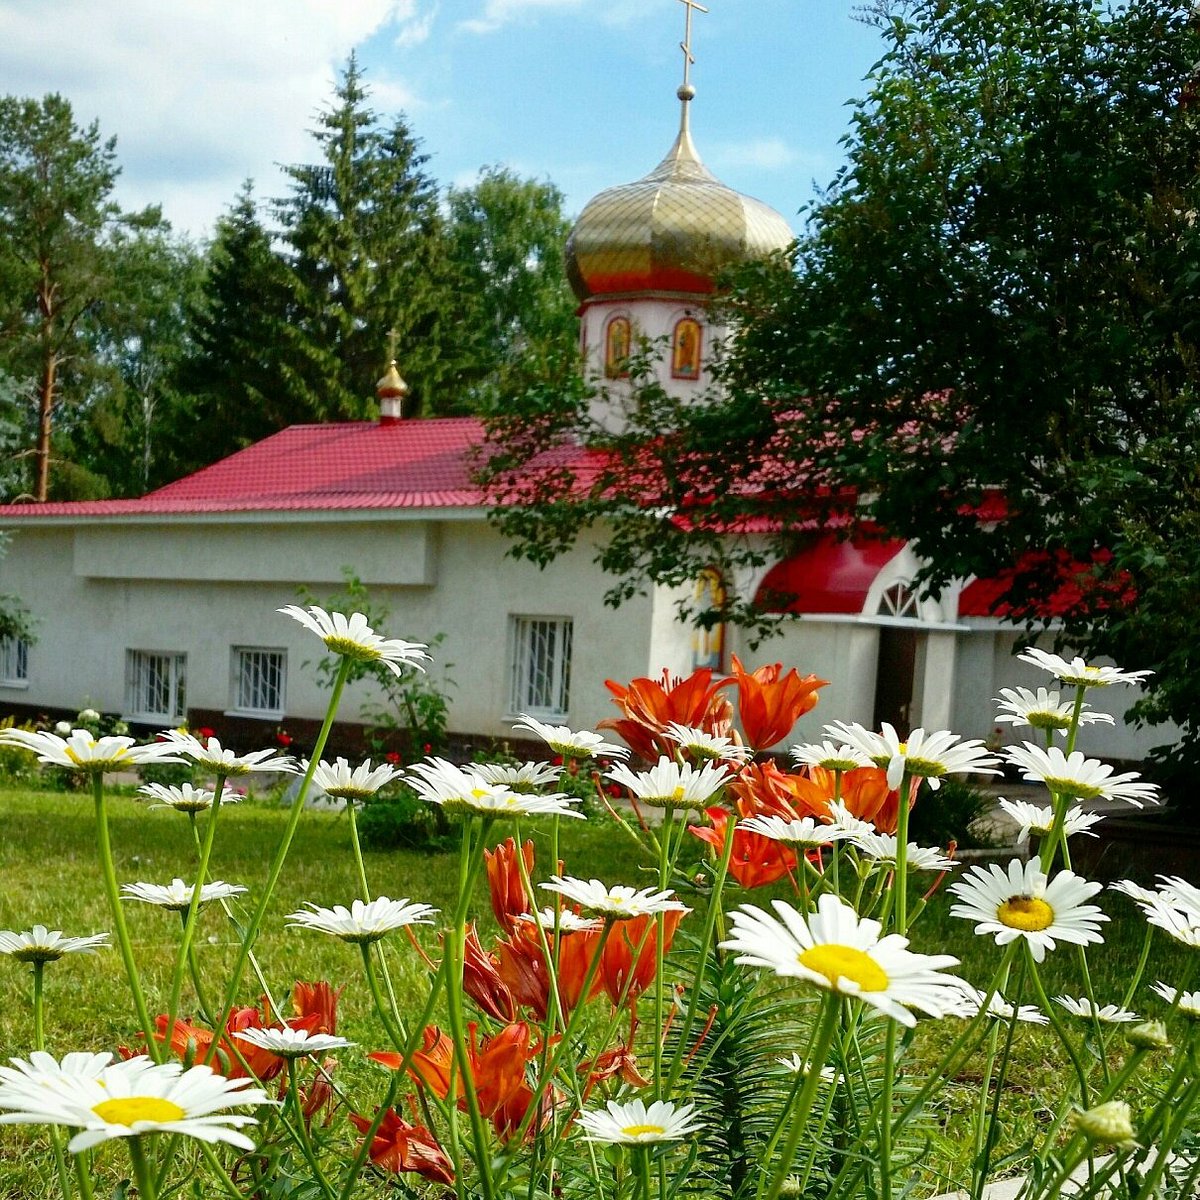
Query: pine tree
point(363, 236)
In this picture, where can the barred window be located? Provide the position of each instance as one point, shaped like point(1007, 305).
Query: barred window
point(155, 684)
point(259, 680)
point(541, 665)
point(14, 661)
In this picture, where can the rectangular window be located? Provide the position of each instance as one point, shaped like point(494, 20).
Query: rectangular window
point(14, 661)
point(155, 685)
point(541, 665)
point(259, 680)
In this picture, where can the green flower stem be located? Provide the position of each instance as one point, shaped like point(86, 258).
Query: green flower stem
point(202, 998)
point(83, 1176)
point(1140, 969)
point(301, 1133)
point(1171, 1130)
point(193, 910)
point(984, 1134)
point(281, 853)
point(818, 1053)
point(395, 1032)
point(39, 1043)
point(900, 878)
point(641, 1155)
point(768, 1154)
point(554, 1018)
point(142, 1174)
point(454, 951)
point(364, 1150)
point(1059, 1029)
point(113, 892)
point(706, 937)
point(664, 874)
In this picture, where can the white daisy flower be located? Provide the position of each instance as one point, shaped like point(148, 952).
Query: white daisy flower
point(1044, 709)
point(518, 777)
point(1109, 1124)
point(670, 784)
point(637, 1124)
point(292, 1043)
point(42, 945)
point(212, 756)
point(1022, 902)
point(843, 819)
point(1174, 907)
point(1135, 891)
point(1083, 778)
point(177, 895)
point(883, 847)
point(568, 921)
point(620, 903)
point(461, 789)
point(829, 756)
point(1032, 818)
point(807, 832)
point(836, 950)
point(82, 752)
point(184, 797)
point(1111, 1014)
point(568, 743)
point(699, 743)
point(920, 755)
point(999, 1008)
point(1189, 1002)
point(1077, 672)
point(338, 779)
point(800, 1066)
point(353, 638)
point(129, 1098)
point(63, 728)
point(363, 922)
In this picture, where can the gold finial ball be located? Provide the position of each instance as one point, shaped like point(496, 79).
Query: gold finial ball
point(686, 92)
point(391, 385)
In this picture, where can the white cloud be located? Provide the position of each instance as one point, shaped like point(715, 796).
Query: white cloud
point(200, 93)
point(765, 153)
point(496, 13)
point(416, 27)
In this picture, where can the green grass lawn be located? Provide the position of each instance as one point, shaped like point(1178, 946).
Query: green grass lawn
point(50, 875)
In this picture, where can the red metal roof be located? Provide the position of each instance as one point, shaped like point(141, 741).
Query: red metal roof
point(346, 466)
point(827, 576)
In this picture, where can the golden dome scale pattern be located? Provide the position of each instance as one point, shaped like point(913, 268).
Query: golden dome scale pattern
point(674, 230)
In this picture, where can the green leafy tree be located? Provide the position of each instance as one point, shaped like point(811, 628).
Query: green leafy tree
point(57, 219)
point(363, 237)
point(228, 389)
point(514, 312)
point(986, 343)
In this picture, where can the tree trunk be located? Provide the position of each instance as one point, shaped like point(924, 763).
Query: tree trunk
point(41, 484)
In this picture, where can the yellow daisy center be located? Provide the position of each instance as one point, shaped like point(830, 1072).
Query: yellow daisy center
point(128, 1110)
point(1071, 787)
point(678, 793)
point(902, 748)
point(845, 962)
point(641, 1130)
point(349, 648)
point(1026, 913)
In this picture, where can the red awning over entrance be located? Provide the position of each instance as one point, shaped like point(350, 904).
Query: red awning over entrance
point(827, 576)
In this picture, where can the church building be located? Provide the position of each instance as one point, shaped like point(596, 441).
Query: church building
point(163, 608)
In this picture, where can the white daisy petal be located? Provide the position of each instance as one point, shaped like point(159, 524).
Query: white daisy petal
point(807, 832)
point(353, 638)
point(619, 902)
point(81, 751)
point(338, 779)
point(699, 743)
point(920, 755)
point(1189, 1002)
point(1022, 902)
point(1111, 1014)
point(184, 797)
point(570, 743)
point(1077, 672)
point(670, 784)
point(1033, 818)
point(1082, 778)
point(177, 895)
point(637, 1123)
point(462, 789)
point(837, 950)
point(214, 757)
point(42, 945)
point(363, 922)
point(1044, 709)
point(292, 1043)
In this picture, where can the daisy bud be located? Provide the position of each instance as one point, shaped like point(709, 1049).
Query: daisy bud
point(1107, 1123)
point(1149, 1035)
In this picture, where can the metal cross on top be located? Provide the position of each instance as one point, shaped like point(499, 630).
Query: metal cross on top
point(392, 337)
point(686, 44)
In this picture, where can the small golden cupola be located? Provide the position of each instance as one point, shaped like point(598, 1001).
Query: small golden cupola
point(390, 392)
point(644, 257)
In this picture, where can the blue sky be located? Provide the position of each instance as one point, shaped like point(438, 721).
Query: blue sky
point(204, 93)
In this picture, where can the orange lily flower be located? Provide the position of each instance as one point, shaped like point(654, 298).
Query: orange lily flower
point(763, 790)
point(756, 860)
point(768, 705)
point(509, 900)
point(398, 1146)
point(482, 982)
point(191, 1043)
point(521, 966)
point(650, 705)
point(317, 1000)
point(622, 976)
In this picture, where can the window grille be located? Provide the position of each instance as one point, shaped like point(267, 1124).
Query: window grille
point(14, 660)
point(259, 680)
point(156, 684)
point(541, 666)
point(898, 601)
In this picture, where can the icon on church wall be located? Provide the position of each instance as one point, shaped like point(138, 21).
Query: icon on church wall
point(685, 349)
point(708, 645)
point(618, 339)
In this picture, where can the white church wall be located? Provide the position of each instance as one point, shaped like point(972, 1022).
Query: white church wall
point(86, 624)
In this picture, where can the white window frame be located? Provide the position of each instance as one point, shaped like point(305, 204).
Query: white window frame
point(551, 638)
point(240, 689)
point(14, 662)
point(137, 688)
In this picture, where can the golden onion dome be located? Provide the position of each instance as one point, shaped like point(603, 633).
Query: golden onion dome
point(674, 230)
